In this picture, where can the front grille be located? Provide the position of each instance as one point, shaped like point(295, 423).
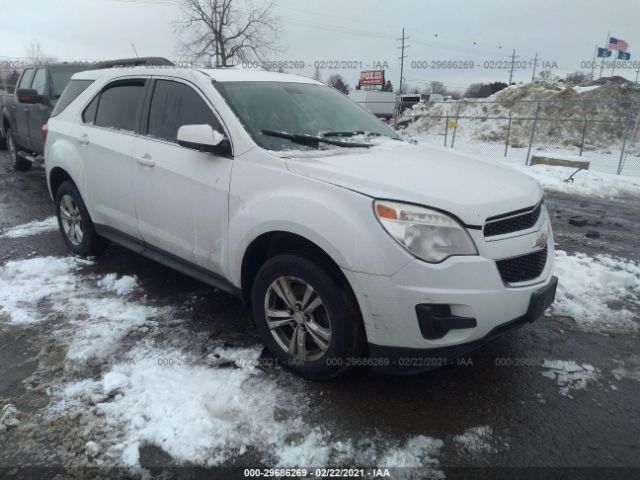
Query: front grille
point(513, 223)
point(524, 268)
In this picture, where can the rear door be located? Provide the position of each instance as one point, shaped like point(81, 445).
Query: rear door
point(181, 193)
point(21, 110)
point(38, 113)
point(106, 140)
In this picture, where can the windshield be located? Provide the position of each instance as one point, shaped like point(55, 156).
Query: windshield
point(298, 109)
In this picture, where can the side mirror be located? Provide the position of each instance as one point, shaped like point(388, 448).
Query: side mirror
point(203, 138)
point(26, 95)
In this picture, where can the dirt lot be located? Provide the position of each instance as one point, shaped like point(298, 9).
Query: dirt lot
point(154, 374)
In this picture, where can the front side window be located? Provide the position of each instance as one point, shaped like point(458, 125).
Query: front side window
point(40, 81)
point(175, 104)
point(297, 108)
point(119, 105)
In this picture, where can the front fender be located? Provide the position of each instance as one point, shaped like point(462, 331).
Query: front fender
point(339, 221)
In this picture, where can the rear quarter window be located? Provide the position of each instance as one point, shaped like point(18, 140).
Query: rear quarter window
point(73, 90)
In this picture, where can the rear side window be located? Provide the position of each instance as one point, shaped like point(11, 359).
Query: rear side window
point(75, 88)
point(39, 83)
point(175, 104)
point(27, 76)
point(119, 105)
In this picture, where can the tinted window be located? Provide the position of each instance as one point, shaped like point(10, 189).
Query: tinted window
point(175, 104)
point(25, 81)
point(89, 114)
point(119, 105)
point(40, 81)
point(75, 88)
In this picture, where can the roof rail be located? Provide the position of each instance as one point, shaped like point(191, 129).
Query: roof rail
point(134, 62)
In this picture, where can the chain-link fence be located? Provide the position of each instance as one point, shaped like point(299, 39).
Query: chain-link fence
point(605, 132)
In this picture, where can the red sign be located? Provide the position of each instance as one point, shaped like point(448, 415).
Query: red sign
point(372, 77)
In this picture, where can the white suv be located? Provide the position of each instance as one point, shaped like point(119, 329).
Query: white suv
point(352, 246)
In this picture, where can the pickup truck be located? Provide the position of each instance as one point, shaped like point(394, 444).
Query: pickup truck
point(38, 91)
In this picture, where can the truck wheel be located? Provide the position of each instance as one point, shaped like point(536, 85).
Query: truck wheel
point(3, 142)
point(75, 223)
point(306, 317)
point(17, 162)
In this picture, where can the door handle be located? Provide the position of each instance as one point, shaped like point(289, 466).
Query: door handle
point(84, 139)
point(145, 160)
point(26, 109)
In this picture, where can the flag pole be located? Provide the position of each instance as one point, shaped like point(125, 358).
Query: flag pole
point(606, 43)
point(593, 62)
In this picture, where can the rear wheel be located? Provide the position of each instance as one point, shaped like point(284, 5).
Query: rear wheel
point(75, 224)
point(17, 162)
point(306, 317)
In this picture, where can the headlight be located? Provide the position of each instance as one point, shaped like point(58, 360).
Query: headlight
point(428, 234)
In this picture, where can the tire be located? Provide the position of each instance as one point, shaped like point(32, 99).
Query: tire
point(3, 142)
point(75, 223)
point(18, 163)
point(331, 332)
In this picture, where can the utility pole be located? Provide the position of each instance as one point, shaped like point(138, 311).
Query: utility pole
point(402, 48)
point(513, 62)
point(535, 64)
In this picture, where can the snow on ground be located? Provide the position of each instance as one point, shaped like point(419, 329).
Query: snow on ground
point(588, 285)
point(31, 228)
point(476, 441)
point(569, 375)
point(600, 181)
point(140, 379)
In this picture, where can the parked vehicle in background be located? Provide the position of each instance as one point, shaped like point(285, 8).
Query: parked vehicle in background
point(408, 100)
point(381, 104)
point(38, 93)
point(353, 247)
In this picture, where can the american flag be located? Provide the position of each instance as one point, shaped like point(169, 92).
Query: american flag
point(617, 44)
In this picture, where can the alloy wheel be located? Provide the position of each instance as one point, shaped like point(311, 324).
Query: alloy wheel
point(297, 318)
point(71, 219)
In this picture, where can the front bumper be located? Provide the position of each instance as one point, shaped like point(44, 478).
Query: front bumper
point(406, 361)
point(471, 288)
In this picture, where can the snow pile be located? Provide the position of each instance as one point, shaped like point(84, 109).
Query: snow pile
point(630, 368)
point(569, 375)
point(476, 441)
point(586, 182)
point(31, 228)
point(606, 102)
point(587, 285)
point(121, 286)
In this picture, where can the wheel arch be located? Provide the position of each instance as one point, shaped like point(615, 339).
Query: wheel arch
point(57, 176)
point(272, 243)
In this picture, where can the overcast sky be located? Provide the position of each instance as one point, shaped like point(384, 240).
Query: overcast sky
point(564, 32)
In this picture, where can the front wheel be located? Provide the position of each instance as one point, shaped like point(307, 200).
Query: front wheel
point(75, 223)
point(307, 318)
point(17, 162)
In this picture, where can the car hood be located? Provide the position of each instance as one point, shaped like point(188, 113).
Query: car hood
point(470, 189)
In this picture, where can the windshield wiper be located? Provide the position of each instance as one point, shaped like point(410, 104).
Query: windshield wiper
point(350, 134)
point(312, 140)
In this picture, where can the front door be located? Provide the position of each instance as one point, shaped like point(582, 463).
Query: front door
point(181, 194)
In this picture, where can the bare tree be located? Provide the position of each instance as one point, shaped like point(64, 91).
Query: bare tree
point(336, 81)
point(545, 75)
point(221, 32)
point(34, 54)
